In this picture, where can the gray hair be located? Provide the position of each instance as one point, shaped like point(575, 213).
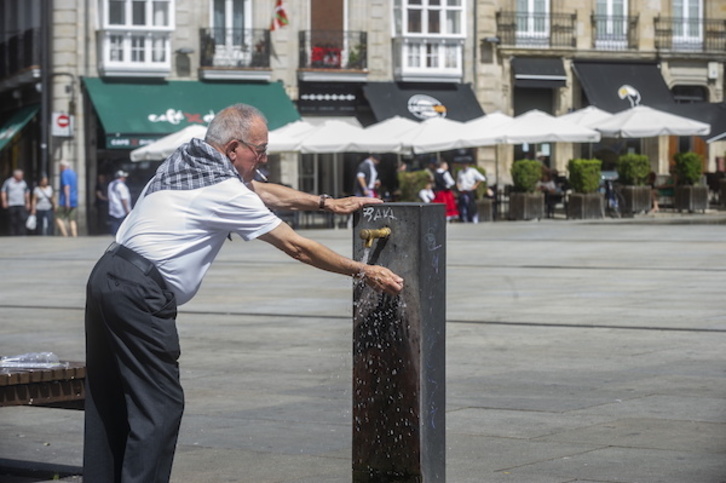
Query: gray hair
point(231, 123)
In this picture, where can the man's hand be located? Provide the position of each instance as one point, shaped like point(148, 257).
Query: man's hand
point(348, 205)
point(381, 279)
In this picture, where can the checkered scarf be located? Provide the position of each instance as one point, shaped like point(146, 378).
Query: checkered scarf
point(194, 165)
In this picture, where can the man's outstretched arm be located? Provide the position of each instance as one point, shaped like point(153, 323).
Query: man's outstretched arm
point(319, 256)
point(279, 197)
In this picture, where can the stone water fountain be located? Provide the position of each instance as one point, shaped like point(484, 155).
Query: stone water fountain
point(399, 390)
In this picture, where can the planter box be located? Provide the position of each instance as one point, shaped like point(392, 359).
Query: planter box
point(526, 206)
point(638, 199)
point(585, 206)
point(691, 198)
point(722, 193)
point(485, 209)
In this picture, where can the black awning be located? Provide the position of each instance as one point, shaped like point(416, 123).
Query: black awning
point(615, 86)
point(544, 73)
point(713, 113)
point(419, 102)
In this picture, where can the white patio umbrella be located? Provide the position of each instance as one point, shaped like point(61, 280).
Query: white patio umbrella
point(163, 147)
point(434, 135)
point(536, 126)
point(288, 137)
point(644, 122)
point(481, 130)
point(331, 137)
point(589, 116)
point(385, 136)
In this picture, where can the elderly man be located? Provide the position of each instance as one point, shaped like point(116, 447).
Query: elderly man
point(15, 196)
point(199, 196)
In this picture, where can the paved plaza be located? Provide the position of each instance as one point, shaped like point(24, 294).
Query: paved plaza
point(576, 352)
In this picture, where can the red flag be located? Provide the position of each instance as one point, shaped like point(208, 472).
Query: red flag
point(279, 19)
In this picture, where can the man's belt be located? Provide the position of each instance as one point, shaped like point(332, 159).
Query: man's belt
point(146, 267)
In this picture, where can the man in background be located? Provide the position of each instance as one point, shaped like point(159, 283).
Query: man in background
point(366, 177)
point(15, 196)
point(119, 201)
point(467, 183)
point(67, 219)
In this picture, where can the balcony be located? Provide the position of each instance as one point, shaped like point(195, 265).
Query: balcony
point(20, 59)
point(614, 33)
point(431, 59)
point(241, 54)
point(333, 55)
point(536, 31)
point(690, 35)
point(127, 52)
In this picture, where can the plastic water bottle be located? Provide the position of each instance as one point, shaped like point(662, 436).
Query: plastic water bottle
point(33, 360)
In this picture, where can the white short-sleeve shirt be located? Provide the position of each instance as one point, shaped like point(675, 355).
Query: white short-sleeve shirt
point(182, 231)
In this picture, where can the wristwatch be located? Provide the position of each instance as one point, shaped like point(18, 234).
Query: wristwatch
point(321, 203)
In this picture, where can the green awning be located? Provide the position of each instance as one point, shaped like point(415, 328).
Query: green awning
point(16, 122)
point(136, 113)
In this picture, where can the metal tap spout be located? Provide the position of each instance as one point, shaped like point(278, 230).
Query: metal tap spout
point(368, 235)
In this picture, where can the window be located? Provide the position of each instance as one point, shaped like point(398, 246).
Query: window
point(688, 24)
point(429, 37)
point(137, 13)
point(230, 20)
point(611, 23)
point(429, 17)
point(533, 22)
point(135, 37)
point(684, 94)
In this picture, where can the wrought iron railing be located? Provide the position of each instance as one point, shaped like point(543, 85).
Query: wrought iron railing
point(612, 32)
point(222, 47)
point(333, 49)
point(20, 52)
point(523, 29)
point(690, 34)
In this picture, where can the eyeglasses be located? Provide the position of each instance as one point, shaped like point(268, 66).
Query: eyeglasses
point(260, 150)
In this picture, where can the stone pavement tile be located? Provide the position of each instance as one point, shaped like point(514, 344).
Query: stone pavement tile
point(514, 424)
point(696, 385)
point(630, 465)
point(275, 436)
point(649, 433)
point(684, 408)
point(197, 464)
point(480, 459)
point(41, 434)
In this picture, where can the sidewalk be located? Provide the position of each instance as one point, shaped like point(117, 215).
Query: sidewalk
point(578, 351)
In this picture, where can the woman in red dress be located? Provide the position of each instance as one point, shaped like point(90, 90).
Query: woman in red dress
point(443, 182)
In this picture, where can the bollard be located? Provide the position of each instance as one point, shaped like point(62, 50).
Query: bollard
point(399, 390)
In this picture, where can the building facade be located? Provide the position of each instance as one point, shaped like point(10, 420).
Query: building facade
point(90, 80)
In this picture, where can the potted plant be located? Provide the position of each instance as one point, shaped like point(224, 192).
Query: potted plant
point(633, 171)
point(585, 202)
point(411, 182)
point(525, 203)
point(690, 195)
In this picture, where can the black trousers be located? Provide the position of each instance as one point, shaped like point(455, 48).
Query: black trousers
point(134, 400)
point(18, 215)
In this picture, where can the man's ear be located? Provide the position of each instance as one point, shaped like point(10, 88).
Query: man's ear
point(230, 149)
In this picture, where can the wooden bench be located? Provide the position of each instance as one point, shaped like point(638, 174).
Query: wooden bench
point(59, 387)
